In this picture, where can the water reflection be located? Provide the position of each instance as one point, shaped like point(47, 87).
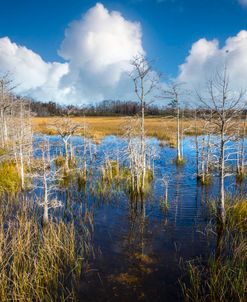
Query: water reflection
point(138, 242)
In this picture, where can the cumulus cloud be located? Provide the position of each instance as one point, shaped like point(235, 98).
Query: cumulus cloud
point(96, 52)
point(96, 49)
point(205, 57)
point(30, 72)
point(99, 48)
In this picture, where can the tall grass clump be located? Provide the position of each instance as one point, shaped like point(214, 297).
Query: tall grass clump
point(9, 178)
point(224, 277)
point(38, 264)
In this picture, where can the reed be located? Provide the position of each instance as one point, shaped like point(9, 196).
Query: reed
point(38, 264)
point(224, 277)
point(10, 181)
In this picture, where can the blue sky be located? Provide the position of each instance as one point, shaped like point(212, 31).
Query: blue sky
point(169, 27)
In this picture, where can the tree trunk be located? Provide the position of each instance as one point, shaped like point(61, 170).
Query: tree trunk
point(221, 205)
point(143, 157)
point(178, 135)
point(22, 169)
point(66, 155)
point(45, 207)
point(197, 148)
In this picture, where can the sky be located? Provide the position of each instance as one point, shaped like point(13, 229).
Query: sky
point(78, 51)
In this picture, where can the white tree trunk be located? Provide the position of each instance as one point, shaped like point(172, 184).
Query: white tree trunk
point(221, 205)
point(179, 157)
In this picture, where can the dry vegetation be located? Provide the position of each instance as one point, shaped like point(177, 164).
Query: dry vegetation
point(38, 264)
point(160, 127)
point(224, 276)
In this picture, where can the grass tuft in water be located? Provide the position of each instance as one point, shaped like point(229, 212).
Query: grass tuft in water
point(205, 180)
point(179, 161)
point(240, 176)
point(224, 277)
point(38, 264)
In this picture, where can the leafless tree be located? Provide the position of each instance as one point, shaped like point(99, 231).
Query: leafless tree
point(6, 106)
point(146, 81)
point(66, 128)
point(225, 106)
point(173, 94)
point(204, 149)
point(48, 177)
point(22, 138)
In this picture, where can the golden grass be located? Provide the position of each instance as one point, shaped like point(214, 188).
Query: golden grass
point(37, 264)
point(9, 178)
point(98, 127)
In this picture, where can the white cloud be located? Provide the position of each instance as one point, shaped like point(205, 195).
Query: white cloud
point(31, 74)
point(205, 57)
point(97, 50)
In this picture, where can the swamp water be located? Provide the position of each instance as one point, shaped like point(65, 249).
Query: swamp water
point(138, 245)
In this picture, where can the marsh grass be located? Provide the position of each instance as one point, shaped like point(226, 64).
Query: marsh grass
point(99, 127)
point(73, 177)
point(81, 179)
point(115, 177)
point(179, 162)
point(240, 176)
point(60, 162)
point(38, 264)
point(205, 180)
point(3, 151)
point(224, 277)
point(9, 178)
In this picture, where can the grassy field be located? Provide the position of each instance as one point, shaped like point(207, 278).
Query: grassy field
point(98, 127)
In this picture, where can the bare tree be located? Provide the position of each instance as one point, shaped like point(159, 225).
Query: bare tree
point(173, 94)
point(145, 83)
point(22, 137)
point(225, 106)
point(48, 177)
point(66, 128)
point(6, 105)
point(204, 150)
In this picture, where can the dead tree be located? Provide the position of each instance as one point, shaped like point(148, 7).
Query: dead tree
point(225, 106)
point(204, 151)
point(48, 177)
point(145, 83)
point(22, 137)
point(66, 128)
point(6, 105)
point(173, 94)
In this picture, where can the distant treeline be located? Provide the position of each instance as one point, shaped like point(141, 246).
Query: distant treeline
point(104, 108)
point(112, 108)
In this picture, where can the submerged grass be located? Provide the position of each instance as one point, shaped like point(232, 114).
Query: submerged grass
point(38, 264)
point(224, 277)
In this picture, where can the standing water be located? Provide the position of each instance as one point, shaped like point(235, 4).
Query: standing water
point(139, 246)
